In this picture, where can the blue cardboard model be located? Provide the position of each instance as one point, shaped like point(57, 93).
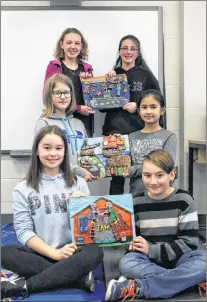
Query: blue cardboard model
point(106, 92)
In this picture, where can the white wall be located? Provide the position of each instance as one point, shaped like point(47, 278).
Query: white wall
point(13, 170)
point(193, 100)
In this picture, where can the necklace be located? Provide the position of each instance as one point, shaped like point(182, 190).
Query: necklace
point(72, 71)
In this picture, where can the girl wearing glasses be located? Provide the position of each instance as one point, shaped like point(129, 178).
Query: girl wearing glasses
point(59, 101)
point(71, 50)
point(125, 120)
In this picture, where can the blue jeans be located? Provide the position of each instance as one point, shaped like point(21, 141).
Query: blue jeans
point(158, 282)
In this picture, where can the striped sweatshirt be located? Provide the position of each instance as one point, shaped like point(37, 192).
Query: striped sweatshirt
point(169, 225)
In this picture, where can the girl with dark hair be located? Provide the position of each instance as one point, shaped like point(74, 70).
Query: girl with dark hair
point(46, 258)
point(140, 78)
point(70, 53)
point(151, 108)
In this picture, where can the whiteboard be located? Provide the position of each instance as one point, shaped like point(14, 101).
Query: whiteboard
point(28, 40)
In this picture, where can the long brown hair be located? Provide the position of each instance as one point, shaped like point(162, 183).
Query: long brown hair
point(139, 60)
point(59, 52)
point(48, 90)
point(35, 167)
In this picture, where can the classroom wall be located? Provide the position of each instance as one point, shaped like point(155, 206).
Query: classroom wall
point(12, 170)
point(193, 92)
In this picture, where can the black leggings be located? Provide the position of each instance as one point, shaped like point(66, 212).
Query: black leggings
point(42, 273)
point(117, 185)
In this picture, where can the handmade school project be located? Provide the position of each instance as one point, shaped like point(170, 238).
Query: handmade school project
point(105, 156)
point(106, 92)
point(105, 220)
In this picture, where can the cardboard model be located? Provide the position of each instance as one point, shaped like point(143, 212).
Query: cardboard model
point(106, 92)
point(105, 220)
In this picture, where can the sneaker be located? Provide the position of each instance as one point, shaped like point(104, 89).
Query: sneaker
point(201, 288)
point(13, 288)
point(121, 279)
point(124, 289)
point(88, 283)
point(4, 278)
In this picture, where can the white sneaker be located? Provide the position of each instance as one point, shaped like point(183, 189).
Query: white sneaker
point(121, 279)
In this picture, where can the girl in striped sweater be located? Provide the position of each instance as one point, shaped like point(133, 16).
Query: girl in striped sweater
point(163, 259)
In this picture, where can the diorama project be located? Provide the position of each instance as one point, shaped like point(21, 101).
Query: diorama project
point(105, 220)
point(106, 92)
point(105, 156)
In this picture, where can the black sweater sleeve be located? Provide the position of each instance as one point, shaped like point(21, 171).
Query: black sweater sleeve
point(153, 82)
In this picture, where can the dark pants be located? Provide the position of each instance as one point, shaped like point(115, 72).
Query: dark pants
point(117, 185)
point(88, 121)
point(42, 273)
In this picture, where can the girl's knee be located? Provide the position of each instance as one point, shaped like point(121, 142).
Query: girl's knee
point(6, 251)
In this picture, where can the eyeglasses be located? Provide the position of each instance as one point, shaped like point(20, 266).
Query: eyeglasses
point(58, 94)
point(128, 49)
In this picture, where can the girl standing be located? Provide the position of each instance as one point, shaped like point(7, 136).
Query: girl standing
point(151, 108)
point(46, 258)
point(59, 101)
point(70, 53)
point(126, 120)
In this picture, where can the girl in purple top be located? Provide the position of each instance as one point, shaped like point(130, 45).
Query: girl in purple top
point(71, 50)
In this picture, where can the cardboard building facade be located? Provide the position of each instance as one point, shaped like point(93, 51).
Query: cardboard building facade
point(104, 220)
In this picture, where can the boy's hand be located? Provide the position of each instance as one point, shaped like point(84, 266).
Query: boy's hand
point(140, 245)
point(130, 248)
point(131, 107)
point(65, 252)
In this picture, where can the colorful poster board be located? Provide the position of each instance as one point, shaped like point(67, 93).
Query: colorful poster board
point(106, 92)
point(105, 220)
point(105, 156)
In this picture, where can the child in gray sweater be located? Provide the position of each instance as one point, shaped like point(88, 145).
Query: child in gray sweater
point(151, 108)
point(59, 101)
point(46, 257)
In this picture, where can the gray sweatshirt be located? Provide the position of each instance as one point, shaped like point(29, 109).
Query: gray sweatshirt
point(74, 129)
point(169, 225)
point(45, 213)
point(141, 144)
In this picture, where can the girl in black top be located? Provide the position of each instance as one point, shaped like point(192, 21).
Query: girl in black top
point(70, 53)
point(126, 120)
